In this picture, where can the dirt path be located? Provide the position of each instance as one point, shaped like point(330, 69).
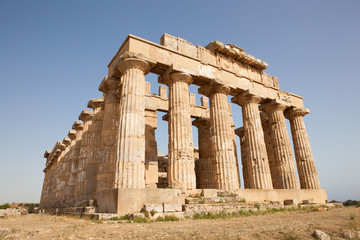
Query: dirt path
point(294, 225)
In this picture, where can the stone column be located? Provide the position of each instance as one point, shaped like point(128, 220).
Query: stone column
point(181, 170)
point(303, 154)
point(151, 161)
point(105, 179)
point(131, 149)
point(258, 171)
point(227, 175)
point(284, 162)
point(244, 163)
point(269, 149)
point(206, 162)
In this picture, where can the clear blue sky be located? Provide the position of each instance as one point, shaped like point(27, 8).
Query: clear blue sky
point(54, 54)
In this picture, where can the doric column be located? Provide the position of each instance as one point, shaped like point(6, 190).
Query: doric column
point(269, 149)
point(303, 154)
point(105, 179)
point(259, 171)
point(244, 163)
point(151, 161)
point(181, 173)
point(227, 175)
point(284, 162)
point(206, 162)
point(97, 104)
point(130, 165)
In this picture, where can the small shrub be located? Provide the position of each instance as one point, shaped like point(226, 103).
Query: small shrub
point(352, 216)
point(146, 214)
point(141, 220)
point(152, 212)
point(170, 218)
point(125, 217)
point(201, 202)
point(5, 206)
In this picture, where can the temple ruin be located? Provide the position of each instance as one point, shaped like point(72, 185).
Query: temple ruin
point(110, 155)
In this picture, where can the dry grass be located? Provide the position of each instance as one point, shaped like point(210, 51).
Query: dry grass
point(278, 225)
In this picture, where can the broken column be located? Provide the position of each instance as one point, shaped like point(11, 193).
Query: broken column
point(303, 154)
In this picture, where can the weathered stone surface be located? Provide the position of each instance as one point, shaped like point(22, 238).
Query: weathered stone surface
point(12, 212)
point(291, 202)
point(154, 207)
point(317, 234)
point(172, 207)
point(209, 193)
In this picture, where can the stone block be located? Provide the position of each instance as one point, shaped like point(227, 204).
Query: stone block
point(291, 202)
point(172, 207)
point(193, 200)
point(308, 201)
point(154, 207)
point(163, 215)
point(208, 193)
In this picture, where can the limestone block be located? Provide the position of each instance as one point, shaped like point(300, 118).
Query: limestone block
point(192, 98)
point(172, 207)
point(317, 234)
point(208, 193)
point(147, 88)
point(291, 202)
point(308, 201)
point(154, 207)
point(176, 214)
point(162, 92)
point(204, 102)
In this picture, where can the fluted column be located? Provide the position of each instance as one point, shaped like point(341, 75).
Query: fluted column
point(181, 173)
point(105, 179)
point(130, 167)
point(206, 162)
point(284, 162)
point(227, 174)
point(303, 154)
point(269, 149)
point(244, 162)
point(259, 171)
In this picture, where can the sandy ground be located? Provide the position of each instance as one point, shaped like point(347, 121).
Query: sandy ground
point(295, 225)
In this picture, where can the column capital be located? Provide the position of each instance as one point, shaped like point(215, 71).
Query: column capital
point(109, 84)
point(214, 87)
point(273, 105)
point(292, 112)
point(96, 103)
point(246, 97)
point(130, 63)
point(66, 141)
point(78, 126)
point(240, 131)
point(86, 115)
point(72, 134)
point(170, 76)
point(199, 122)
